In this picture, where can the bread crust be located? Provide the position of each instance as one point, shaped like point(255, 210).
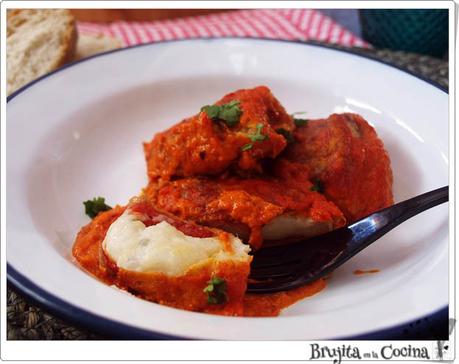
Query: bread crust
point(18, 18)
point(70, 39)
point(90, 44)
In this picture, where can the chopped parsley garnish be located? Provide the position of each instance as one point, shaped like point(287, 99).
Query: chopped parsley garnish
point(247, 147)
point(216, 291)
point(300, 122)
point(230, 113)
point(257, 137)
point(94, 206)
point(212, 111)
point(286, 134)
point(318, 186)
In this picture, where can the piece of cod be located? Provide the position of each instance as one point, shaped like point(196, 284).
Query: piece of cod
point(345, 156)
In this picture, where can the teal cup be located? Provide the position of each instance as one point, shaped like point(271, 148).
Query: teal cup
point(422, 31)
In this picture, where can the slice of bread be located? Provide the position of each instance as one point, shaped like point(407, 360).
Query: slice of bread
point(38, 41)
point(90, 44)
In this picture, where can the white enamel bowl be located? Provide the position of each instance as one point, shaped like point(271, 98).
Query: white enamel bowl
point(77, 133)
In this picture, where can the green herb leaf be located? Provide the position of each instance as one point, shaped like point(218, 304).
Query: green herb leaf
point(212, 111)
point(298, 113)
point(216, 291)
point(247, 147)
point(257, 137)
point(94, 206)
point(286, 134)
point(318, 186)
point(300, 122)
point(230, 113)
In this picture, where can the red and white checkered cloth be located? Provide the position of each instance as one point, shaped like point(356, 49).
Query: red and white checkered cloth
point(292, 24)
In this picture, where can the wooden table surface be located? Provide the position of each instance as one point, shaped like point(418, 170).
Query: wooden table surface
point(109, 15)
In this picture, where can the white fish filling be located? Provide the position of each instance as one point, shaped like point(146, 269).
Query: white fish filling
point(163, 248)
point(292, 225)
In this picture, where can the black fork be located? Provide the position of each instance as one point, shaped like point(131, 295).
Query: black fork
point(284, 267)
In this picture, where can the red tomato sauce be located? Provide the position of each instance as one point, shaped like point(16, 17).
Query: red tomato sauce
point(201, 146)
point(368, 271)
point(244, 206)
point(188, 295)
point(346, 155)
point(220, 175)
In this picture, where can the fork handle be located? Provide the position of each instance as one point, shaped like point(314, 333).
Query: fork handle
point(374, 226)
point(415, 205)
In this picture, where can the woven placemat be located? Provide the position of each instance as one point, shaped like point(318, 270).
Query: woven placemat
point(430, 68)
point(26, 321)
